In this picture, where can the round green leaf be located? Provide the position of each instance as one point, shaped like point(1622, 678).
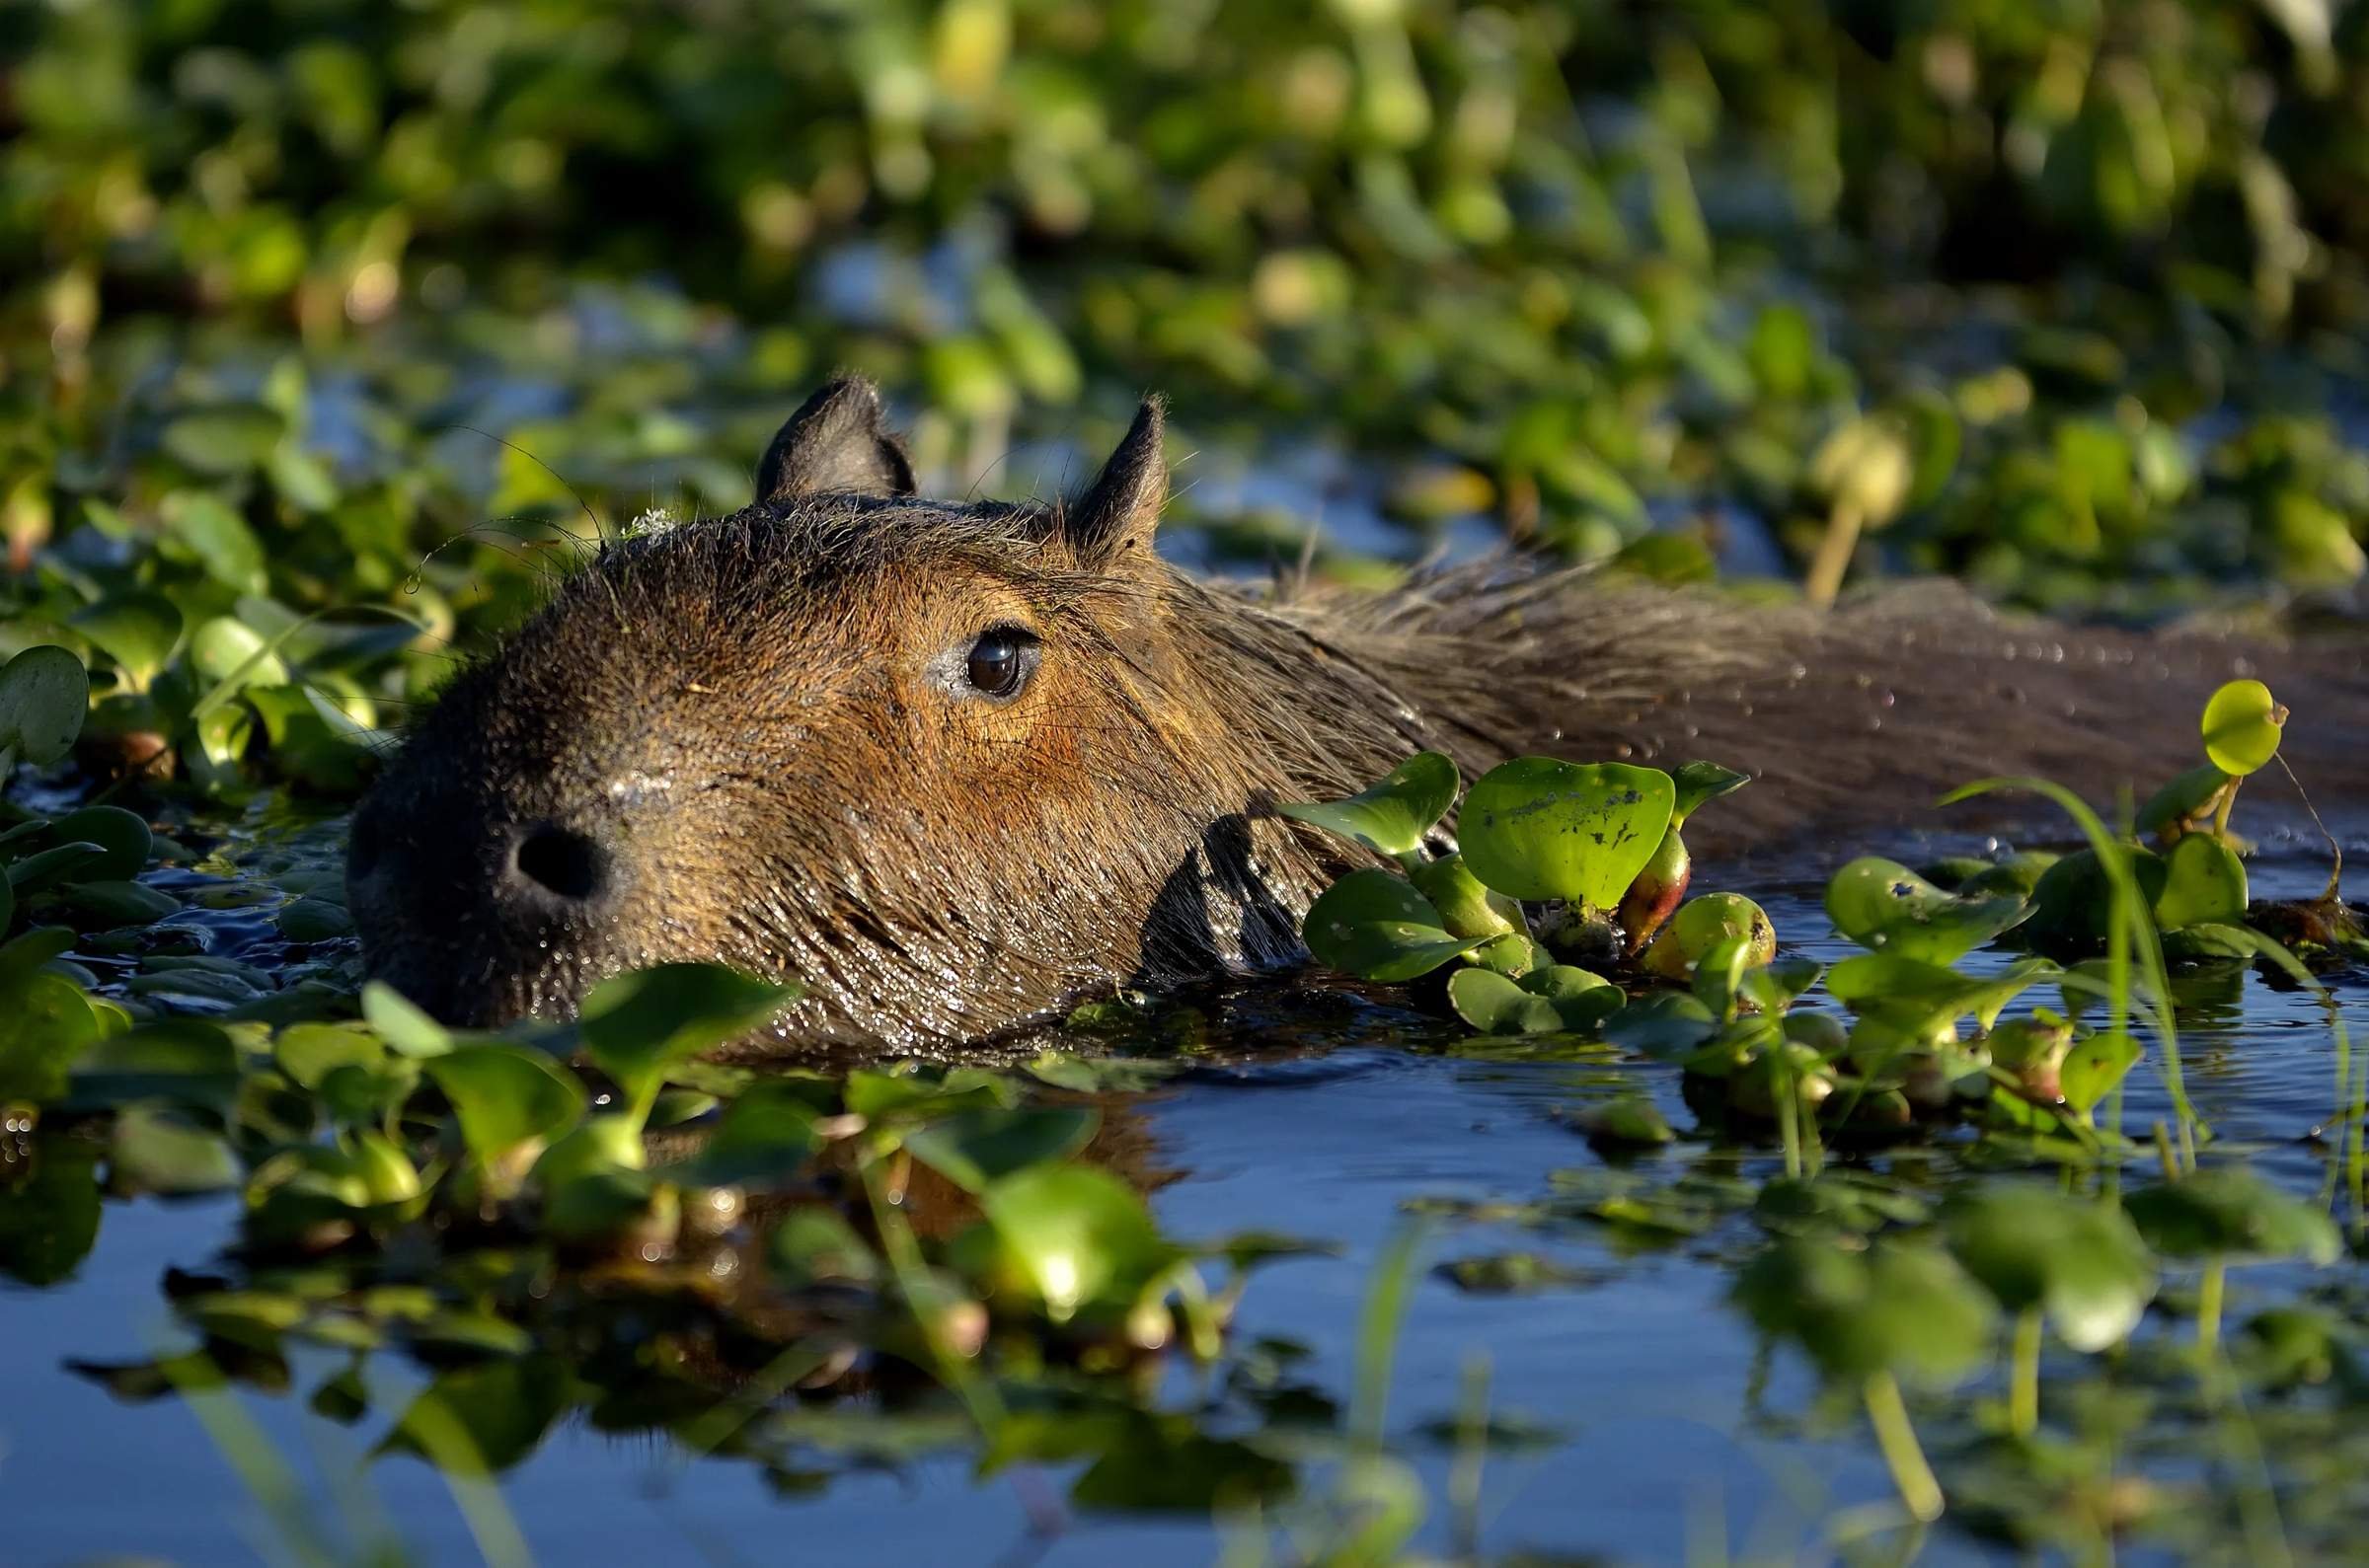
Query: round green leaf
point(1884, 906)
point(1082, 1237)
point(2230, 1214)
point(44, 692)
point(2033, 1246)
point(138, 631)
point(1393, 816)
point(507, 1096)
point(1897, 1307)
point(1537, 828)
point(981, 1147)
point(154, 1150)
point(2241, 725)
point(124, 837)
point(2204, 882)
point(1373, 924)
point(639, 1024)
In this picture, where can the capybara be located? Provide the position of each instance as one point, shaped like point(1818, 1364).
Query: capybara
point(957, 766)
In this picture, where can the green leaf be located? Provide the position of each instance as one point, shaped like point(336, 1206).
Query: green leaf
point(2204, 883)
point(482, 1419)
point(218, 536)
point(1495, 1005)
point(1082, 1237)
point(45, 1025)
point(45, 694)
point(2184, 799)
point(814, 1246)
point(1897, 1307)
point(2093, 1067)
point(406, 1027)
point(1536, 828)
point(2033, 1246)
point(50, 1220)
point(981, 1147)
point(640, 1023)
point(1697, 783)
point(156, 1151)
point(184, 1060)
point(2241, 726)
point(308, 1053)
point(1884, 906)
point(1668, 1025)
point(124, 837)
point(224, 439)
point(763, 1140)
point(1393, 816)
point(1374, 923)
point(2230, 1214)
point(506, 1096)
point(139, 630)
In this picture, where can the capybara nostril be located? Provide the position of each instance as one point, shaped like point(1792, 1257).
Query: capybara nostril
point(562, 864)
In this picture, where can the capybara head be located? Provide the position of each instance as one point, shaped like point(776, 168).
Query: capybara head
point(947, 765)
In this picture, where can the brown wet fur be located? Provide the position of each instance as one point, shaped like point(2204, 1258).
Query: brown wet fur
point(757, 724)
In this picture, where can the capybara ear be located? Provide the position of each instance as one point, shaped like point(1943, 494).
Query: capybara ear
point(837, 443)
point(1120, 509)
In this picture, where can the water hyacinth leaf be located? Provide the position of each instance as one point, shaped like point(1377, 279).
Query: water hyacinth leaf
point(2080, 1261)
point(1668, 1025)
point(150, 1150)
point(2074, 900)
point(1392, 817)
point(1630, 1122)
point(139, 630)
point(2204, 883)
point(1466, 908)
point(1901, 1308)
point(45, 695)
point(126, 839)
point(481, 1419)
point(404, 1026)
point(50, 1218)
point(763, 1140)
point(226, 438)
point(637, 1025)
point(1536, 828)
point(2241, 725)
point(231, 656)
point(2184, 799)
point(979, 1147)
point(181, 1061)
point(308, 1053)
point(1495, 1005)
point(506, 1096)
point(45, 1026)
point(1909, 988)
point(1699, 783)
point(204, 525)
point(2093, 1067)
point(1883, 906)
point(48, 868)
point(1081, 1237)
point(2229, 1212)
point(814, 1246)
point(1373, 924)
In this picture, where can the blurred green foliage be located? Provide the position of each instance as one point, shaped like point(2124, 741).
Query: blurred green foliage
point(284, 277)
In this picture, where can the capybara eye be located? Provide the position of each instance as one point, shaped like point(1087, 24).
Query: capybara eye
point(1000, 660)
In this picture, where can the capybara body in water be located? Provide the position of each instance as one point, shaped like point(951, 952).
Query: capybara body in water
point(956, 765)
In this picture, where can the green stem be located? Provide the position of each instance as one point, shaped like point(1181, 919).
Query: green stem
point(2210, 1290)
point(2023, 1384)
point(1887, 1413)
